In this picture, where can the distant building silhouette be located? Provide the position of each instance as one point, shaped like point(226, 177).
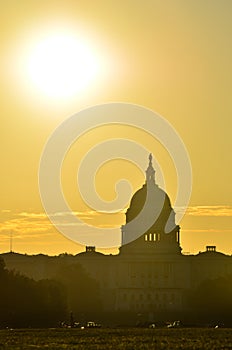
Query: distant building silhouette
point(150, 275)
point(150, 213)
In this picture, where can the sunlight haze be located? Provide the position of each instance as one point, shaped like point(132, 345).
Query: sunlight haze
point(57, 58)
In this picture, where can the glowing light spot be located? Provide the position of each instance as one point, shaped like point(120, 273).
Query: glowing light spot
point(61, 66)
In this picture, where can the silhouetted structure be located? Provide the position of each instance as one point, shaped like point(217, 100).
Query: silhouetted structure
point(150, 277)
point(150, 213)
point(28, 303)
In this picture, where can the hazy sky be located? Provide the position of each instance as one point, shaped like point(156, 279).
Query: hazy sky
point(173, 57)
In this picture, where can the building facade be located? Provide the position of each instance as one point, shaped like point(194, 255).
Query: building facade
point(150, 275)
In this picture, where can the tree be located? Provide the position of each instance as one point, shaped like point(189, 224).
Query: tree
point(82, 290)
point(25, 302)
point(211, 301)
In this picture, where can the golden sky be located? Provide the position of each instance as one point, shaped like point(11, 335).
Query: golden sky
point(173, 57)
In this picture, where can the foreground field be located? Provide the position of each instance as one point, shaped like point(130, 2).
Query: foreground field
point(128, 339)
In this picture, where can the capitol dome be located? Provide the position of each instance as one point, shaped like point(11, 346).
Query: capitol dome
point(150, 219)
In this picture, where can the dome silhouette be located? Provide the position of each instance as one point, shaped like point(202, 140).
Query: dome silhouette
point(150, 219)
point(158, 200)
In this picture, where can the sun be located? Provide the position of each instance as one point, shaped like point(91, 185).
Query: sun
point(62, 65)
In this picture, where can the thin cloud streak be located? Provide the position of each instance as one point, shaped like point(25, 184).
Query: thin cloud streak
point(209, 210)
point(31, 223)
point(210, 230)
point(37, 223)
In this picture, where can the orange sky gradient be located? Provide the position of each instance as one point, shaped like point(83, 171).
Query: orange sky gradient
point(173, 57)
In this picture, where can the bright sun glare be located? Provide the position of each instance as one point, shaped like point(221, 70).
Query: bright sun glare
point(61, 66)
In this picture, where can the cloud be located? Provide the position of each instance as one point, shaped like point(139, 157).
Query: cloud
point(199, 210)
point(210, 210)
point(210, 230)
point(24, 224)
point(27, 224)
point(32, 215)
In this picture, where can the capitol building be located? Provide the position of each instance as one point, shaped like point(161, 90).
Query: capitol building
point(150, 275)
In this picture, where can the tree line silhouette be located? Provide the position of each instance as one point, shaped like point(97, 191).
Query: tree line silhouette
point(211, 301)
point(25, 302)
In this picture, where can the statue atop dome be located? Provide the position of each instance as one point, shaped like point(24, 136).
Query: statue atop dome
point(150, 172)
